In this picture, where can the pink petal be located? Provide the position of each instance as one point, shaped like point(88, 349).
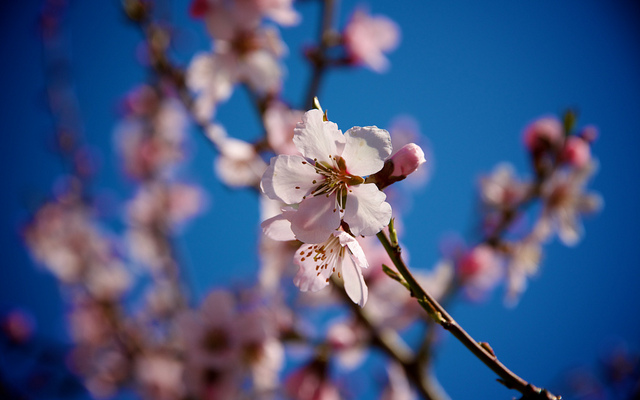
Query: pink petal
point(289, 178)
point(354, 283)
point(278, 228)
point(316, 138)
point(367, 212)
point(316, 219)
point(366, 149)
point(308, 278)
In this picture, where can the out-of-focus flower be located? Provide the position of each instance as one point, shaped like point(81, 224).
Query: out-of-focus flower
point(367, 38)
point(239, 164)
point(501, 189)
point(280, 11)
point(280, 122)
point(311, 383)
point(327, 180)
point(224, 341)
point(160, 376)
point(565, 200)
point(576, 152)
point(523, 262)
point(543, 134)
point(479, 270)
point(151, 139)
point(163, 205)
point(241, 54)
point(18, 325)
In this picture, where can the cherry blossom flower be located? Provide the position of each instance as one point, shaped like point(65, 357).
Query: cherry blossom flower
point(522, 263)
point(367, 38)
point(339, 254)
point(501, 190)
point(311, 383)
point(328, 179)
point(160, 376)
point(243, 52)
point(564, 201)
point(239, 164)
point(576, 152)
point(479, 271)
point(280, 122)
point(543, 134)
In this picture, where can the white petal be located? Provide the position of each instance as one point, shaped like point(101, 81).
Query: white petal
point(354, 247)
point(285, 174)
point(367, 212)
point(354, 283)
point(318, 139)
point(278, 228)
point(308, 278)
point(316, 219)
point(262, 71)
point(366, 149)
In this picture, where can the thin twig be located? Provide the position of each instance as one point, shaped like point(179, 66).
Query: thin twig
point(440, 315)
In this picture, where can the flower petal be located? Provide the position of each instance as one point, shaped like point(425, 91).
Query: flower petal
point(308, 278)
point(366, 212)
point(366, 149)
point(278, 227)
point(289, 178)
point(316, 138)
point(354, 283)
point(316, 219)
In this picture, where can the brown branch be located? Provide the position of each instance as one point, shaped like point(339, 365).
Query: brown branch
point(440, 315)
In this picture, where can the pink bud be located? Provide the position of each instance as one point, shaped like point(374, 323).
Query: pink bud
point(476, 261)
point(576, 152)
point(407, 160)
point(542, 134)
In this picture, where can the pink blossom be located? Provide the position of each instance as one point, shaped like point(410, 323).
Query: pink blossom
point(407, 160)
point(327, 180)
point(501, 189)
point(280, 122)
point(239, 164)
point(543, 134)
point(311, 383)
point(367, 38)
point(564, 201)
point(576, 152)
point(479, 271)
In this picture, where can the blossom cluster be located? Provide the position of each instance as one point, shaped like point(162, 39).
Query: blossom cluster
point(332, 209)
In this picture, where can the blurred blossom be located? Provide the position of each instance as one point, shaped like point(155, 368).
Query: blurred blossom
point(243, 53)
point(367, 38)
point(160, 376)
point(576, 152)
point(225, 341)
point(280, 122)
point(311, 383)
point(158, 204)
point(543, 134)
point(149, 144)
point(349, 341)
point(280, 11)
point(63, 238)
point(479, 271)
point(18, 325)
point(523, 261)
point(565, 200)
point(239, 164)
point(502, 190)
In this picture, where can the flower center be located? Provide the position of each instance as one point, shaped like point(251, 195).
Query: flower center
point(324, 255)
point(336, 180)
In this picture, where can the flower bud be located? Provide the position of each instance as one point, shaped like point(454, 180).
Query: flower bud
point(576, 152)
point(407, 160)
point(543, 134)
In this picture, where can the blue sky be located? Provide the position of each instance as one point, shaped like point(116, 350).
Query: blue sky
point(473, 74)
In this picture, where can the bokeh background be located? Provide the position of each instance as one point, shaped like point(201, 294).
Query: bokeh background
point(472, 74)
